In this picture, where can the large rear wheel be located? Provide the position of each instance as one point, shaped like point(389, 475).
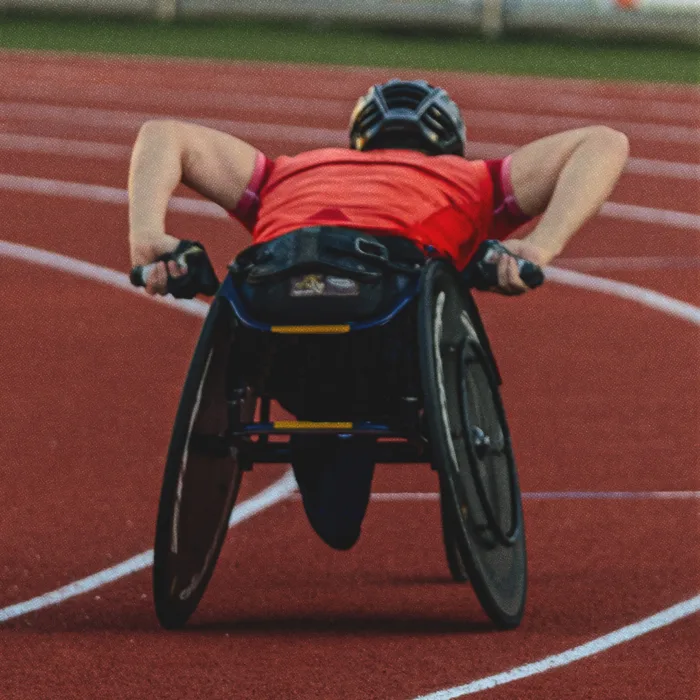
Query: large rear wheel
point(471, 447)
point(201, 480)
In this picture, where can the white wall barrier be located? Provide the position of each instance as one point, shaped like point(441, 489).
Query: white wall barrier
point(671, 19)
point(661, 19)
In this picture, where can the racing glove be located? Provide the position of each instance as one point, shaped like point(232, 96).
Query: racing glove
point(482, 270)
point(200, 277)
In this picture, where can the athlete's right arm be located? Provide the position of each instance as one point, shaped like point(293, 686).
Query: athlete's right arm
point(217, 165)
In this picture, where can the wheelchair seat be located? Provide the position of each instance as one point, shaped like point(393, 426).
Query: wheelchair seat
point(325, 275)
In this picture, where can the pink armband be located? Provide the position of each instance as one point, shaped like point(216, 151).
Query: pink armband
point(510, 203)
point(247, 209)
point(507, 214)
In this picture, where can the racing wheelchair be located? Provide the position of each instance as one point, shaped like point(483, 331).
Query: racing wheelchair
point(355, 334)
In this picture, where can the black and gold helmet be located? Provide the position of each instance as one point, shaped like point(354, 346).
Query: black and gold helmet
point(408, 114)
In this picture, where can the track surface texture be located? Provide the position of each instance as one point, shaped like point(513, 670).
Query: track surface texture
point(602, 394)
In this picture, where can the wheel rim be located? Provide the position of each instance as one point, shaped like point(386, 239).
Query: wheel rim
point(490, 457)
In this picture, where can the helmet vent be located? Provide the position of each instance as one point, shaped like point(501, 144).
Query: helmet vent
point(404, 96)
point(369, 117)
point(437, 120)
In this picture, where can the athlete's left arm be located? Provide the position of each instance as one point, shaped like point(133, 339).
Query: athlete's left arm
point(566, 178)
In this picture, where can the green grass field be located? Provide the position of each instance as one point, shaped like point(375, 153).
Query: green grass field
point(332, 45)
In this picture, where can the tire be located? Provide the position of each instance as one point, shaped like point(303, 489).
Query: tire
point(201, 481)
point(471, 448)
point(450, 538)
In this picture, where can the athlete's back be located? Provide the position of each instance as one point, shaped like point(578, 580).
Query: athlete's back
point(441, 201)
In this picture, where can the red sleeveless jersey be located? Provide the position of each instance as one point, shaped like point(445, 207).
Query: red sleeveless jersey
point(445, 202)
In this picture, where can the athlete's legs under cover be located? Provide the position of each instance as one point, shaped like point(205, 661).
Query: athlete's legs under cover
point(334, 474)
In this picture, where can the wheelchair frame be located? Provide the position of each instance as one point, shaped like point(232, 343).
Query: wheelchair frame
point(238, 441)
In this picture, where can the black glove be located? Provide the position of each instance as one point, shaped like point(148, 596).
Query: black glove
point(482, 270)
point(199, 279)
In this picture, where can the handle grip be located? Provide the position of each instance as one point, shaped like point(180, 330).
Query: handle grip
point(482, 272)
point(530, 273)
point(197, 274)
point(139, 275)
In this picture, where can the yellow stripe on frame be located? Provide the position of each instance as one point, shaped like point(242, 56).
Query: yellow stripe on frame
point(311, 329)
point(300, 424)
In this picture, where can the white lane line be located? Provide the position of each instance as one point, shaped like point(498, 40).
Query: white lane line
point(473, 91)
point(101, 193)
point(553, 495)
point(632, 292)
point(275, 493)
point(109, 119)
point(475, 149)
point(649, 215)
point(504, 121)
point(630, 263)
point(114, 195)
point(512, 100)
point(63, 147)
point(663, 168)
point(595, 646)
point(95, 273)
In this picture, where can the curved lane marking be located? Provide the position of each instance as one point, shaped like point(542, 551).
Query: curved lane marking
point(625, 290)
point(596, 646)
point(275, 493)
point(507, 121)
point(101, 193)
point(187, 205)
point(278, 491)
point(94, 273)
point(526, 100)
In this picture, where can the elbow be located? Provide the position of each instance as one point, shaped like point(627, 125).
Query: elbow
point(619, 143)
point(158, 129)
point(157, 139)
point(614, 145)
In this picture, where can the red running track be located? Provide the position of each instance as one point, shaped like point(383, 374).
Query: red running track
point(602, 396)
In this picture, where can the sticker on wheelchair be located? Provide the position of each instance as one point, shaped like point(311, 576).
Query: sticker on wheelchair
point(315, 285)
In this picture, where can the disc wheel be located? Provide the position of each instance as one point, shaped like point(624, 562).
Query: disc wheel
point(471, 448)
point(201, 481)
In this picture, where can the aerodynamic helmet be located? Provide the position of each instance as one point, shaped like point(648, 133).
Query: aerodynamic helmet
point(408, 114)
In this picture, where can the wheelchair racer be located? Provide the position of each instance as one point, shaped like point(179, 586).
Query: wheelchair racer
point(404, 175)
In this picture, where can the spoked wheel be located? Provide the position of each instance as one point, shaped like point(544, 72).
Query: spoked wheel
point(471, 447)
point(201, 480)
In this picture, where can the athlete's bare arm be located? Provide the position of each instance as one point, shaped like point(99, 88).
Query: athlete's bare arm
point(566, 178)
point(166, 153)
